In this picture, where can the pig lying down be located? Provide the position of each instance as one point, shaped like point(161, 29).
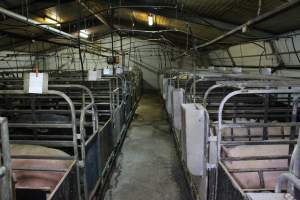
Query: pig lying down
point(38, 179)
point(263, 174)
point(258, 179)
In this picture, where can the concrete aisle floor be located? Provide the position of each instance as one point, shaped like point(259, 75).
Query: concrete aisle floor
point(148, 167)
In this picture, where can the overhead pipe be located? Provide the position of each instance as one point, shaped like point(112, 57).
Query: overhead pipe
point(251, 22)
point(97, 15)
point(45, 27)
point(150, 32)
point(142, 6)
point(37, 24)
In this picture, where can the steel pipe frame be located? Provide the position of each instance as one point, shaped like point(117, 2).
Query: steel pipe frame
point(111, 93)
point(107, 79)
point(6, 192)
point(292, 124)
point(273, 124)
point(94, 109)
point(221, 126)
point(294, 169)
point(229, 175)
point(287, 177)
point(73, 125)
point(122, 78)
point(194, 86)
point(82, 122)
point(83, 142)
point(57, 80)
point(245, 84)
point(86, 108)
point(225, 77)
point(116, 91)
point(273, 81)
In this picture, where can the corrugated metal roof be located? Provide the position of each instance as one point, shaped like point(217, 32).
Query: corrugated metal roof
point(226, 13)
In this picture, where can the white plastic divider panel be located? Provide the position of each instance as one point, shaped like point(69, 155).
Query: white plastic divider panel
point(178, 99)
point(165, 88)
point(161, 83)
point(169, 99)
point(194, 131)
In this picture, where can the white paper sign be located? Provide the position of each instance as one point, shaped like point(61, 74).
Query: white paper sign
point(119, 70)
point(36, 81)
point(108, 71)
point(266, 71)
point(92, 75)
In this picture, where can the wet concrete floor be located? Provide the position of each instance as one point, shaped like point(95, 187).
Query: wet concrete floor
point(148, 167)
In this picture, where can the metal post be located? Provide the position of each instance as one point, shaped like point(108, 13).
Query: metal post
point(5, 170)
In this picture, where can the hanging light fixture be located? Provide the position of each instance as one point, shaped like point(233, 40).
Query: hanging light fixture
point(150, 20)
point(83, 34)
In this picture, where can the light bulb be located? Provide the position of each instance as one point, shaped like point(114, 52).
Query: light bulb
point(150, 20)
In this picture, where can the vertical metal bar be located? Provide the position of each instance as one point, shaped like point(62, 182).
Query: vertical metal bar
point(294, 129)
point(34, 118)
point(123, 53)
point(6, 182)
point(297, 161)
point(110, 97)
point(233, 120)
point(118, 91)
point(75, 136)
point(266, 115)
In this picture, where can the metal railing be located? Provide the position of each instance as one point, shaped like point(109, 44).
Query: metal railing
point(6, 192)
